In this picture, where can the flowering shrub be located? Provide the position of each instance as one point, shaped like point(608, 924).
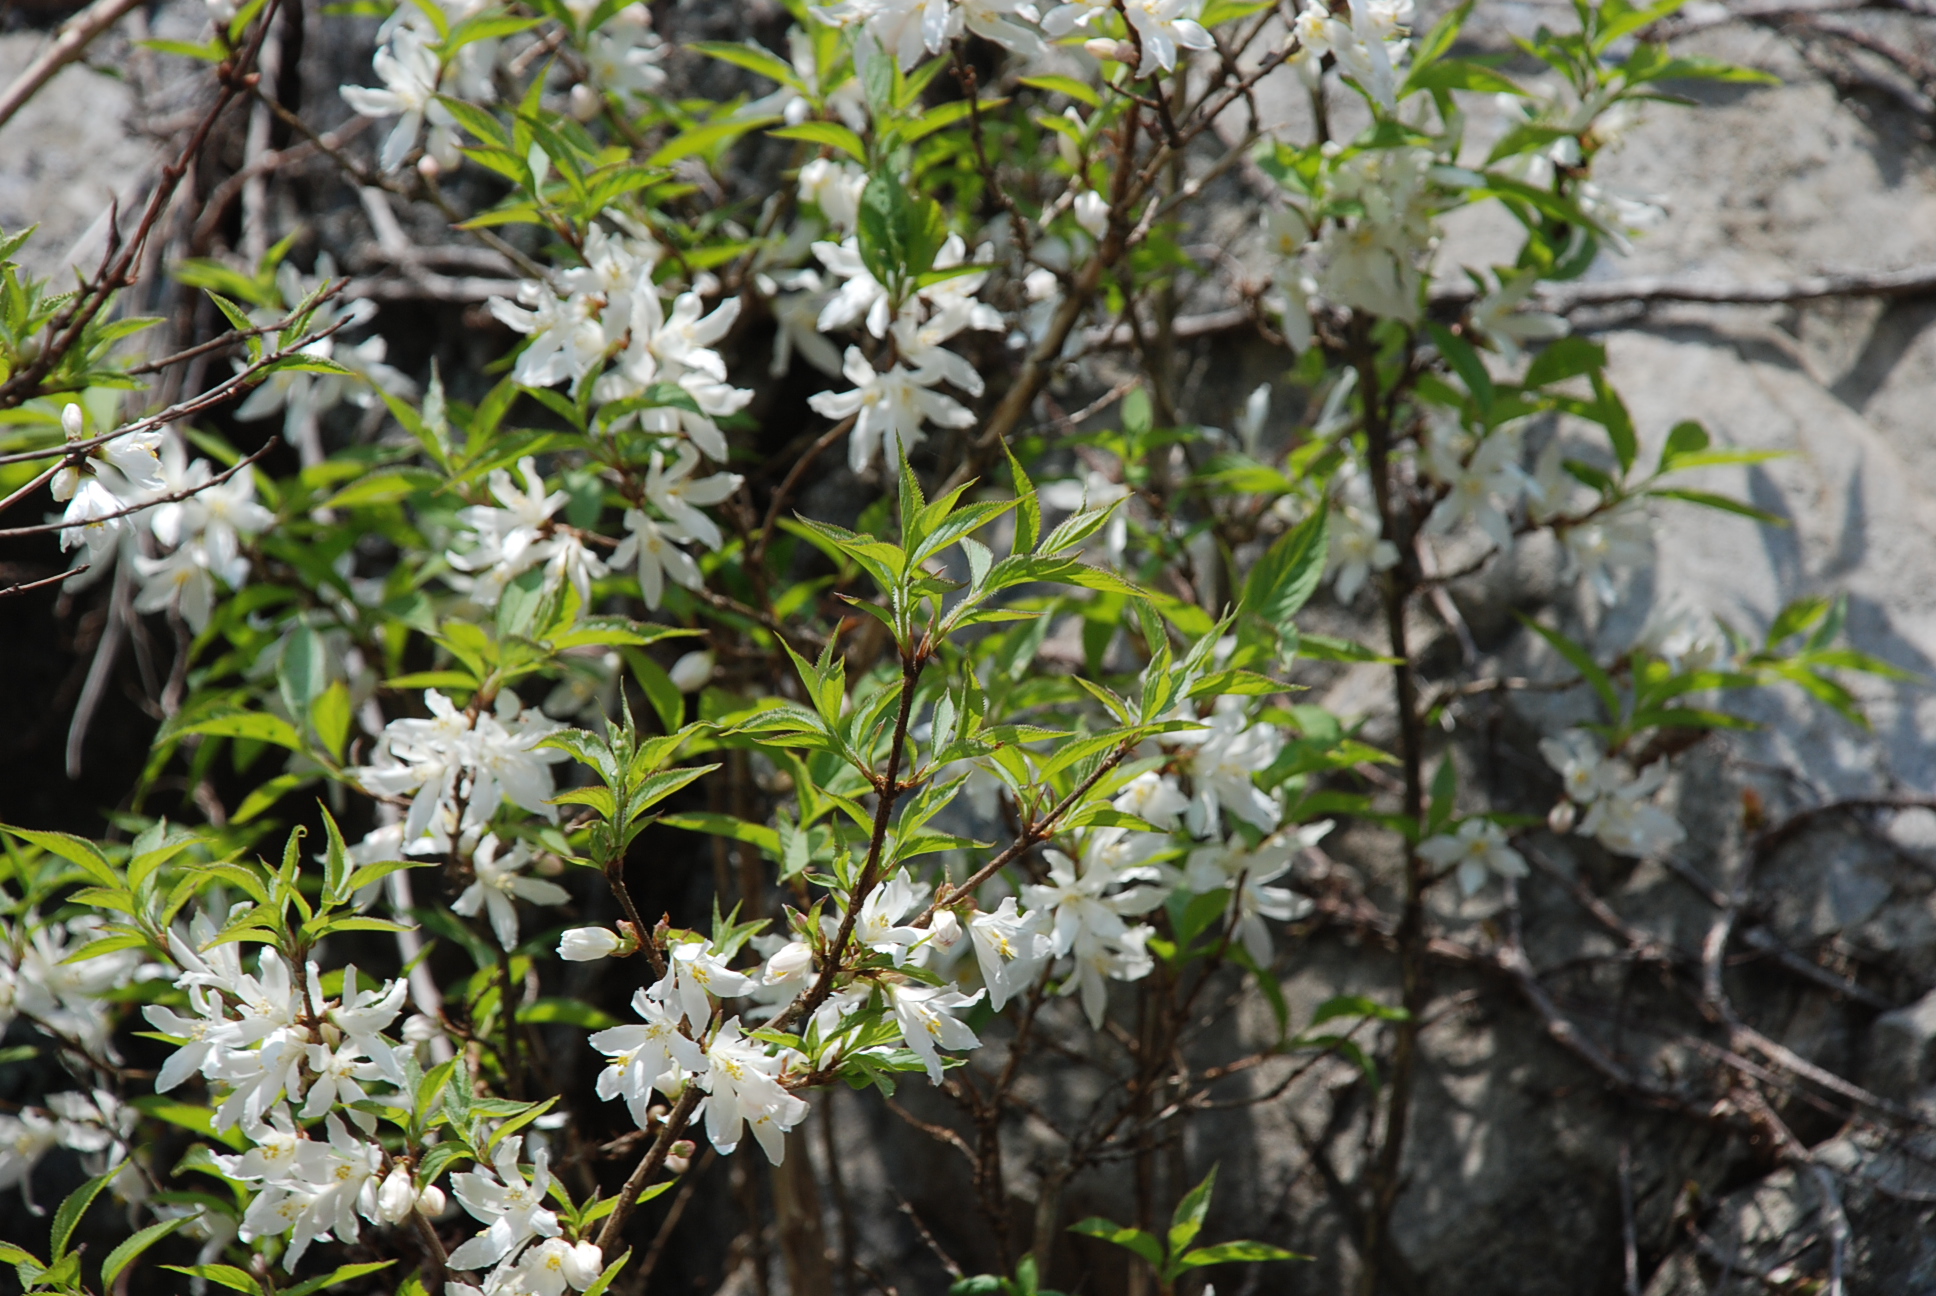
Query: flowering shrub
point(988, 747)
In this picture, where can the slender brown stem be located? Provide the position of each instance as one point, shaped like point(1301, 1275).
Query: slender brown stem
point(1411, 937)
point(649, 1165)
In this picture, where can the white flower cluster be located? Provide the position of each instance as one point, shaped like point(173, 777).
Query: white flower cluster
point(1367, 47)
point(891, 406)
point(1083, 911)
point(44, 980)
point(609, 310)
point(278, 1050)
point(908, 29)
point(1615, 798)
point(458, 767)
point(679, 1045)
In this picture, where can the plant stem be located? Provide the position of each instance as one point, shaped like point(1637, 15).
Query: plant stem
point(1400, 583)
point(653, 1161)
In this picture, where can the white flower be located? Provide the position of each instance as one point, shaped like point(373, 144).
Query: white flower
point(1244, 871)
point(1618, 813)
point(789, 967)
point(656, 1055)
point(903, 28)
point(24, 1140)
point(1154, 798)
point(654, 546)
point(922, 1012)
point(1585, 772)
point(452, 757)
point(1478, 487)
point(676, 493)
point(409, 72)
point(834, 187)
point(1229, 752)
point(1478, 847)
point(499, 882)
point(511, 538)
point(697, 976)
point(510, 1206)
point(1011, 948)
point(337, 1072)
point(180, 581)
point(1163, 26)
point(885, 906)
point(1617, 539)
point(743, 1087)
point(567, 335)
point(1498, 315)
point(860, 296)
point(1088, 923)
point(397, 1197)
point(625, 54)
point(1358, 548)
point(889, 408)
point(995, 20)
point(588, 944)
point(1626, 823)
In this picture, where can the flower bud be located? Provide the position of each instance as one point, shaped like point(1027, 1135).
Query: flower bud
point(1092, 213)
point(395, 1199)
point(946, 928)
point(585, 102)
point(1041, 284)
point(679, 1156)
point(1103, 47)
point(588, 944)
point(431, 1201)
point(72, 421)
point(692, 671)
point(788, 963)
point(419, 1029)
point(583, 1265)
point(1560, 818)
point(429, 167)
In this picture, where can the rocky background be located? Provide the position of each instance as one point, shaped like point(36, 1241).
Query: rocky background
point(1711, 1074)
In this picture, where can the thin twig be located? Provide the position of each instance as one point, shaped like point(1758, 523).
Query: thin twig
point(75, 35)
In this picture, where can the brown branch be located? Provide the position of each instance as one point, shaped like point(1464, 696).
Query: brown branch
point(174, 498)
point(75, 35)
point(24, 587)
point(117, 269)
point(651, 1164)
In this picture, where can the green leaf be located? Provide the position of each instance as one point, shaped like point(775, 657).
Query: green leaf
point(1236, 1253)
point(222, 1275)
point(753, 59)
point(259, 726)
point(1721, 503)
point(1287, 575)
point(1582, 661)
point(329, 716)
point(568, 1011)
point(1079, 91)
point(1466, 363)
point(1187, 1220)
point(346, 1273)
point(830, 134)
point(1566, 358)
point(1129, 1238)
point(68, 1216)
point(131, 1248)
